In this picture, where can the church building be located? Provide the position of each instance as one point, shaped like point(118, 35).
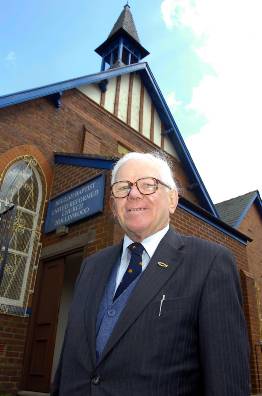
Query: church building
point(58, 144)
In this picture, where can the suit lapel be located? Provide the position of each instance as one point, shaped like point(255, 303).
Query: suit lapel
point(96, 286)
point(167, 258)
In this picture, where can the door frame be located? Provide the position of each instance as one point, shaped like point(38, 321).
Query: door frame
point(33, 317)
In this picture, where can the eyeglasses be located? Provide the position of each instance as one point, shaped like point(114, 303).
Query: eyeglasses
point(146, 186)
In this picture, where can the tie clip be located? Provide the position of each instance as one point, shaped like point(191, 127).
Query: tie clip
point(162, 265)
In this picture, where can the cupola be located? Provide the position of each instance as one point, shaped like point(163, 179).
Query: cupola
point(122, 47)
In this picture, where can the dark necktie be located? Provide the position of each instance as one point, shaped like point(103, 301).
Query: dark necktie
point(134, 268)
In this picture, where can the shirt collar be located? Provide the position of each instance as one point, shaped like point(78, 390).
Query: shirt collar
point(150, 243)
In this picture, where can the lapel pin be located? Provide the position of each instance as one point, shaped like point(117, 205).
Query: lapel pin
point(162, 265)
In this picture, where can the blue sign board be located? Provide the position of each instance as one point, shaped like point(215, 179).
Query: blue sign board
point(76, 204)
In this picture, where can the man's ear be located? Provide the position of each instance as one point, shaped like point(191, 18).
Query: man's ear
point(173, 201)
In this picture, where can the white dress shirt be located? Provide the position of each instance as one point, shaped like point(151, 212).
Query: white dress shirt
point(150, 244)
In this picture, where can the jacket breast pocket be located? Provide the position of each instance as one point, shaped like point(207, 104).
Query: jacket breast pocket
point(174, 308)
point(170, 326)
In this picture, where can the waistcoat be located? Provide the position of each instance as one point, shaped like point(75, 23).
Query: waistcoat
point(109, 311)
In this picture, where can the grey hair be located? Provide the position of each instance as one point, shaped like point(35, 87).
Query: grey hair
point(161, 162)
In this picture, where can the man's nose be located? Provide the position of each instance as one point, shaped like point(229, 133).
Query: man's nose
point(134, 192)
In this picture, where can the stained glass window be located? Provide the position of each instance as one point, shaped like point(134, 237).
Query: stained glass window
point(21, 190)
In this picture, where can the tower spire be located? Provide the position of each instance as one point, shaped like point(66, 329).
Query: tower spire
point(122, 46)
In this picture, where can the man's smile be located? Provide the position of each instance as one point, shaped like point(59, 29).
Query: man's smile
point(136, 209)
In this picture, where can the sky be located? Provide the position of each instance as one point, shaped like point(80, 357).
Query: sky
point(204, 54)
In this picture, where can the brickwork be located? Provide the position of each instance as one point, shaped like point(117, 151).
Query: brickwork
point(67, 177)
point(190, 225)
point(40, 124)
point(79, 126)
point(252, 226)
point(91, 143)
point(8, 157)
point(12, 339)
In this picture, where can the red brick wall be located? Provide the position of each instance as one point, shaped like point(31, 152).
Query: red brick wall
point(40, 124)
point(11, 155)
point(68, 176)
point(252, 226)
point(80, 125)
point(12, 339)
point(189, 224)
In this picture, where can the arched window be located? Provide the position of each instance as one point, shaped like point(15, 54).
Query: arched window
point(22, 189)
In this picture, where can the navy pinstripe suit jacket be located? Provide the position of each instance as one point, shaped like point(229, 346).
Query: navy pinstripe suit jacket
point(197, 346)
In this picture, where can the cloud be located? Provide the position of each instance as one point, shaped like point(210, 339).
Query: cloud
point(185, 12)
point(11, 57)
point(168, 11)
point(228, 161)
point(226, 151)
point(172, 101)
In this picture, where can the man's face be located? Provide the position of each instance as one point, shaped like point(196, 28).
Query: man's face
point(142, 215)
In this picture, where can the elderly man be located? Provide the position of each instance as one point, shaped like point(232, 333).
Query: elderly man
point(160, 313)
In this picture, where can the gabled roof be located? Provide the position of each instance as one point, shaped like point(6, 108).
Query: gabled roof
point(235, 209)
point(171, 129)
point(107, 163)
point(126, 22)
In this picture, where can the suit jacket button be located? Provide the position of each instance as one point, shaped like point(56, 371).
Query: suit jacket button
point(111, 312)
point(96, 379)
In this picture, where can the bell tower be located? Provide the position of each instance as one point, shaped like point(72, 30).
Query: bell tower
point(122, 47)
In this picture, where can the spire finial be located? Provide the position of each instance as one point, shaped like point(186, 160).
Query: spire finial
point(127, 4)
